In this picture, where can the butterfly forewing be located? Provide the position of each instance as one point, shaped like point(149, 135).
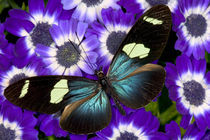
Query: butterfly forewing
point(135, 82)
point(148, 37)
point(41, 93)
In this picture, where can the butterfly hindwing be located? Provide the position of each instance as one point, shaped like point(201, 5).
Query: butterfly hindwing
point(41, 93)
point(141, 86)
point(87, 107)
point(135, 81)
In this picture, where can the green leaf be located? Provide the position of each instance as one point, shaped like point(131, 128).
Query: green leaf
point(13, 4)
point(169, 114)
point(3, 4)
point(153, 107)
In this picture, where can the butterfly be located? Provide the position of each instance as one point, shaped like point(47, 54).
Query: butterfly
point(131, 80)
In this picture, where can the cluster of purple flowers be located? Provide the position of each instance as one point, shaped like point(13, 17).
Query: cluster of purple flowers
point(97, 28)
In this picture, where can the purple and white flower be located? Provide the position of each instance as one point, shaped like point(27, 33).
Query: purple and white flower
point(71, 54)
point(194, 32)
point(16, 124)
point(88, 10)
point(111, 33)
point(33, 27)
point(189, 87)
point(136, 125)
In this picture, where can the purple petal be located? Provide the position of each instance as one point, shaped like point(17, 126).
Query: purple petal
point(181, 108)
point(173, 130)
point(193, 132)
point(91, 57)
point(86, 67)
point(207, 118)
point(207, 46)
point(183, 64)
point(20, 14)
point(36, 6)
point(69, 4)
point(91, 43)
point(158, 136)
point(78, 137)
point(28, 117)
point(57, 34)
point(207, 77)
point(173, 93)
point(199, 66)
point(185, 121)
point(180, 45)
point(30, 134)
point(201, 122)
point(66, 14)
point(21, 49)
point(43, 50)
point(171, 74)
point(198, 52)
point(64, 25)
point(18, 27)
point(81, 29)
point(53, 8)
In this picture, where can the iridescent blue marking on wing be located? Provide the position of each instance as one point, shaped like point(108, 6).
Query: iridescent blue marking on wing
point(87, 110)
point(141, 86)
point(80, 88)
point(121, 66)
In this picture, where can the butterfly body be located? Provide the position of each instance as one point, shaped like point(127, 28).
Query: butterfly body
point(131, 80)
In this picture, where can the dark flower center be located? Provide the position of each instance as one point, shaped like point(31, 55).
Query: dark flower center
point(194, 92)
point(196, 25)
point(41, 34)
point(114, 40)
point(156, 2)
point(67, 55)
point(16, 78)
point(90, 3)
point(127, 136)
point(6, 133)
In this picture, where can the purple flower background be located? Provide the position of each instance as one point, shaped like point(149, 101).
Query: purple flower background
point(34, 34)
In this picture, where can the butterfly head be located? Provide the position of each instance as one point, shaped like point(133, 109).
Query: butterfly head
point(99, 73)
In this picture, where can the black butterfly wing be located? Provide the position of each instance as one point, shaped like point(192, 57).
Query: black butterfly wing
point(41, 93)
point(87, 108)
point(148, 37)
point(134, 81)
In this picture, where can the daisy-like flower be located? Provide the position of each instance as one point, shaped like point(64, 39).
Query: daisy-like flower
point(50, 126)
point(194, 33)
point(192, 133)
point(13, 74)
point(136, 125)
point(33, 27)
point(88, 10)
point(16, 124)
point(71, 52)
point(116, 25)
point(189, 86)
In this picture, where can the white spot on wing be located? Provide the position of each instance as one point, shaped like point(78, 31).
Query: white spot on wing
point(136, 50)
point(24, 90)
point(153, 20)
point(59, 91)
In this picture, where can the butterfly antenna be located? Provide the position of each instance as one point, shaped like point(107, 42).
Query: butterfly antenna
point(91, 67)
point(85, 53)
